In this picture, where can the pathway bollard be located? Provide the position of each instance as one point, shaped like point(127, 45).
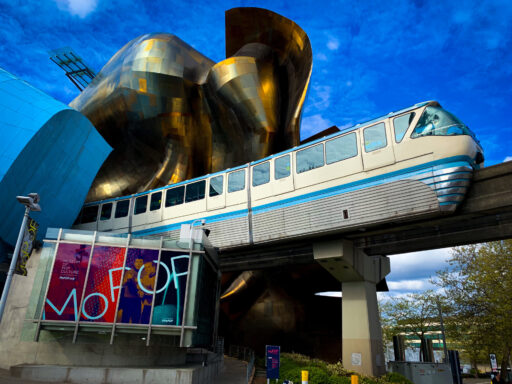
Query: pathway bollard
point(354, 379)
point(305, 375)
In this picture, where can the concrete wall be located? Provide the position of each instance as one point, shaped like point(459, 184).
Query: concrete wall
point(194, 374)
point(55, 348)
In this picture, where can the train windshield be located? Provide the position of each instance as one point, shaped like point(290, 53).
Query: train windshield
point(435, 121)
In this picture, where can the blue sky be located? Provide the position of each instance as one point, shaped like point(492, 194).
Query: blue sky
point(370, 58)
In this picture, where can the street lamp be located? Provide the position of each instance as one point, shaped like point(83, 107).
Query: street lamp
point(202, 221)
point(31, 203)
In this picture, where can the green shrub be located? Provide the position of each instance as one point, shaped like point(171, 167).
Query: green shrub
point(394, 377)
point(339, 380)
point(338, 370)
point(316, 375)
point(321, 372)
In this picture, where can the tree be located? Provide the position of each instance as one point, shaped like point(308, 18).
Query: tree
point(415, 313)
point(478, 285)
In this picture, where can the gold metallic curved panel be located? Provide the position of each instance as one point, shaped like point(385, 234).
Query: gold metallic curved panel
point(293, 50)
point(148, 104)
point(172, 114)
point(238, 85)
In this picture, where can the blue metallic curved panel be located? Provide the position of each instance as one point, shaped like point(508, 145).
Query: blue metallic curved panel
point(45, 147)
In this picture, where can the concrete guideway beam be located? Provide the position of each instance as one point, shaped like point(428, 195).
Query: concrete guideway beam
point(347, 263)
point(362, 347)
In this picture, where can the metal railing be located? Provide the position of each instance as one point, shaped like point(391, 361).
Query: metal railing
point(245, 354)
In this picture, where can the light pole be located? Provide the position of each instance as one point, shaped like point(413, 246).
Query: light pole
point(202, 221)
point(31, 204)
point(446, 357)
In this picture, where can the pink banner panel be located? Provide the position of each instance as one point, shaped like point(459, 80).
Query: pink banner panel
point(66, 282)
point(103, 284)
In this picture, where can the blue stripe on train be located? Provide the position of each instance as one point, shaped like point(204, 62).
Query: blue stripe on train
point(451, 162)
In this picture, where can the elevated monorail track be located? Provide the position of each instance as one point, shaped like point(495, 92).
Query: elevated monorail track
point(485, 215)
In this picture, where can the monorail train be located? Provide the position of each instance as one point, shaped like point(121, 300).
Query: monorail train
point(414, 162)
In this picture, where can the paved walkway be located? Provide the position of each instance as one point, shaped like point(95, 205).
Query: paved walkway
point(477, 381)
point(234, 372)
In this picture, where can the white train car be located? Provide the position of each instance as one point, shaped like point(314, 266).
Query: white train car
point(411, 163)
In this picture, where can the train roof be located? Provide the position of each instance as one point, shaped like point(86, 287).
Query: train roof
point(348, 129)
point(341, 132)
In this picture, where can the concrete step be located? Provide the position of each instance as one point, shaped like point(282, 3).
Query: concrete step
point(114, 375)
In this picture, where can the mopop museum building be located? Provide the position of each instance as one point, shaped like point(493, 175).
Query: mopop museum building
point(158, 113)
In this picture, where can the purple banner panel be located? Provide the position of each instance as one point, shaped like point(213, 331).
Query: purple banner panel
point(138, 285)
point(170, 288)
point(102, 290)
point(67, 282)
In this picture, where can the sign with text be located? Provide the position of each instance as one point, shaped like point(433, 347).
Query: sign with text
point(89, 284)
point(273, 355)
point(494, 362)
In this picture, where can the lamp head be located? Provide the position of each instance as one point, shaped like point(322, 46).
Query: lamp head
point(31, 201)
point(35, 197)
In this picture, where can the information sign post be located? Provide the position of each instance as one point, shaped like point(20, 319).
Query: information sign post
point(272, 361)
point(494, 363)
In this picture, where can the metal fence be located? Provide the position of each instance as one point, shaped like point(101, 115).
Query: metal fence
point(245, 354)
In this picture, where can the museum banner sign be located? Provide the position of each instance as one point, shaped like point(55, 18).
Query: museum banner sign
point(29, 238)
point(123, 284)
point(116, 285)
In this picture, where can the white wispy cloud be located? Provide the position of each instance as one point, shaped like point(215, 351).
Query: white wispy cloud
point(508, 158)
point(319, 98)
point(410, 285)
point(80, 8)
point(333, 44)
point(313, 124)
point(320, 57)
point(417, 265)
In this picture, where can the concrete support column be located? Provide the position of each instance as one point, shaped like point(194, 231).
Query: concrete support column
point(362, 347)
point(361, 330)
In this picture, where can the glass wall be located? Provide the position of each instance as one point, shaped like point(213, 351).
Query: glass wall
point(136, 285)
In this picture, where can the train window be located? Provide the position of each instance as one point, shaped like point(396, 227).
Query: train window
point(282, 167)
point(195, 191)
point(122, 209)
point(174, 196)
point(341, 148)
point(375, 137)
point(310, 158)
point(141, 204)
point(106, 211)
point(261, 174)
point(156, 201)
point(216, 185)
point(401, 124)
point(236, 181)
point(435, 121)
point(89, 214)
